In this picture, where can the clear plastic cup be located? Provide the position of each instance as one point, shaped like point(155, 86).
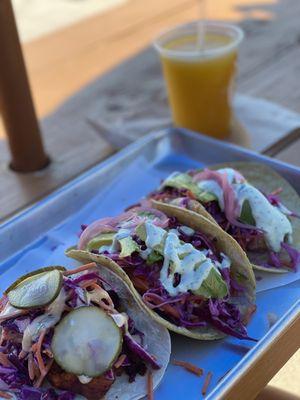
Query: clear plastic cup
point(200, 74)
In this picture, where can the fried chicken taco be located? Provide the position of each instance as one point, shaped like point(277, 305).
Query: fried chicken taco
point(77, 335)
point(251, 202)
point(191, 276)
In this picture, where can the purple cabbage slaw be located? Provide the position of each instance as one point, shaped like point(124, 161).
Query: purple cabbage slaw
point(14, 372)
point(248, 239)
point(186, 310)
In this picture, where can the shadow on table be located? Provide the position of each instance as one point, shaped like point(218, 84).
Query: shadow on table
point(272, 393)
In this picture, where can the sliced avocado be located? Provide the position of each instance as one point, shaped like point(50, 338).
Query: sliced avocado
point(213, 286)
point(185, 181)
point(246, 214)
point(128, 246)
point(141, 232)
point(153, 257)
point(204, 197)
point(87, 341)
point(37, 290)
point(101, 240)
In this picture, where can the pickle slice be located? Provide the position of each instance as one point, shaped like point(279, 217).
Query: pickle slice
point(32, 273)
point(36, 290)
point(87, 342)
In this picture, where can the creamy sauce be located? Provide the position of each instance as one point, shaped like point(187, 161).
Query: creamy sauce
point(187, 230)
point(121, 319)
point(214, 188)
point(115, 246)
point(272, 220)
point(145, 253)
point(122, 233)
point(45, 321)
point(84, 379)
point(284, 209)
point(225, 263)
point(181, 258)
point(232, 175)
point(154, 236)
point(105, 247)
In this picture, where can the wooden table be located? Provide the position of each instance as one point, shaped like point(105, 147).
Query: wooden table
point(65, 61)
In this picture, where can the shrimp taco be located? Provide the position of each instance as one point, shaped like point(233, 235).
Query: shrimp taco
point(190, 275)
point(251, 202)
point(77, 334)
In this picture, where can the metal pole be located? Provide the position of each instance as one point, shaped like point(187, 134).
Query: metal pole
point(16, 105)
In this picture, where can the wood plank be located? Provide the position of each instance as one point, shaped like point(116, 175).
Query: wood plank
point(276, 81)
point(110, 26)
point(269, 362)
point(72, 65)
point(100, 42)
point(290, 154)
point(93, 47)
point(73, 148)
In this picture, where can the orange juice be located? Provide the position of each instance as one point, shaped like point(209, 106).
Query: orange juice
point(200, 76)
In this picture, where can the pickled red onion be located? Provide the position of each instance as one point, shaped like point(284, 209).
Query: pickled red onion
point(231, 206)
point(160, 219)
point(109, 224)
point(129, 219)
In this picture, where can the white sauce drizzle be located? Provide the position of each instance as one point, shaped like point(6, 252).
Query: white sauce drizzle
point(182, 258)
point(175, 231)
point(187, 230)
point(121, 319)
point(145, 253)
point(213, 187)
point(84, 379)
point(232, 176)
point(115, 246)
point(272, 220)
point(225, 263)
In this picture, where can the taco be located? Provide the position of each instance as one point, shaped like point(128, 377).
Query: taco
point(192, 277)
point(77, 334)
point(251, 202)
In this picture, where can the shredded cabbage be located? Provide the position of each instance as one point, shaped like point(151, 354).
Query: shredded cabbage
point(187, 309)
point(14, 371)
point(248, 239)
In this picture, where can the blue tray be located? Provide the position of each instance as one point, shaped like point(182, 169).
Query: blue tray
point(39, 235)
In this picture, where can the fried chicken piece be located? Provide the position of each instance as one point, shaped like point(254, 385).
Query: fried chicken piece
point(94, 390)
